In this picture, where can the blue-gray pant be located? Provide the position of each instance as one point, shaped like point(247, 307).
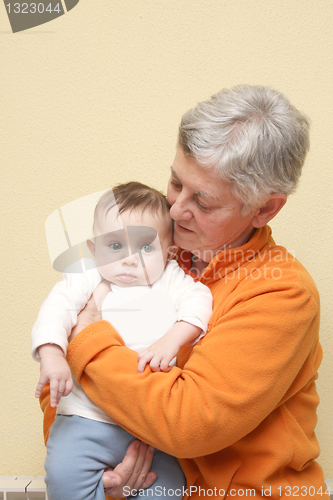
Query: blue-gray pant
point(78, 451)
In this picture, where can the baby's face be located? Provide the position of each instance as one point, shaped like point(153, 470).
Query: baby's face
point(132, 248)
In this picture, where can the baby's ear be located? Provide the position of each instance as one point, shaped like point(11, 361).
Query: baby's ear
point(172, 252)
point(91, 246)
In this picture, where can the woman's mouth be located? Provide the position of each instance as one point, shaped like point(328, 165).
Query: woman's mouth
point(181, 229)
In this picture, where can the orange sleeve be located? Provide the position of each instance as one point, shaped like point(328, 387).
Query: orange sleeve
point(49, 413)
point(199, 410)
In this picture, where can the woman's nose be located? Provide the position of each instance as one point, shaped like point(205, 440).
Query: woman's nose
point(179, 210)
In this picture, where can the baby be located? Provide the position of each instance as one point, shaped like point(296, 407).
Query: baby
point(156, 308)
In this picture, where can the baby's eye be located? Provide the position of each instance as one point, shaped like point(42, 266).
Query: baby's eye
point(147, 248)
point(116, 246)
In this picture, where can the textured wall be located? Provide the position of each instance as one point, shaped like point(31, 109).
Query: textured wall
point(94, 98)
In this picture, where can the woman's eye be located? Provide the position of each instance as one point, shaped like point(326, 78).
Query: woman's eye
point(203, 207)
point(147, 248)
point(116, 246)
point(175, 184)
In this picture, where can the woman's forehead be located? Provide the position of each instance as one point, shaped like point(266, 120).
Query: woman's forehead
point(202, 192)
point(202, 181)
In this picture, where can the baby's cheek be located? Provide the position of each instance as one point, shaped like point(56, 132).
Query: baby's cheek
point(106, 271)
point(154, 268)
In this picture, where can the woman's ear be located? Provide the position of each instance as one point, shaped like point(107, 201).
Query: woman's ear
point(91, 246)
point(271, 208)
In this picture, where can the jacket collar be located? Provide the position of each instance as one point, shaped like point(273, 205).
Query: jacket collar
point(230, 259)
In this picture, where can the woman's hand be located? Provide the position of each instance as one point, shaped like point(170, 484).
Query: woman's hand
point(92, 310)
point(133, 473)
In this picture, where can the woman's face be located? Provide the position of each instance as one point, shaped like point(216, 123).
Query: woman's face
point(206, 213)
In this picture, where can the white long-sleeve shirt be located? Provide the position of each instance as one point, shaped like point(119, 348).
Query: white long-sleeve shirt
point(141, 314)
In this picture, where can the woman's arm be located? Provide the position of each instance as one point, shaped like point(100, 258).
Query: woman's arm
point(248, 363)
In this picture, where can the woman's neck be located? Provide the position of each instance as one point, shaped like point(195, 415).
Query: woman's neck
point(198, 264)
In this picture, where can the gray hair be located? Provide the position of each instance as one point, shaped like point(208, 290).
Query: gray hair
point(253, 136)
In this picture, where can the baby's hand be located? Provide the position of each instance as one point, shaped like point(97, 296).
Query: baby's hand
point(158, 355)
point(54, 369)
point(161, 353)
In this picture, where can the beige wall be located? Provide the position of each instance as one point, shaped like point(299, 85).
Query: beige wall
point(94, 98)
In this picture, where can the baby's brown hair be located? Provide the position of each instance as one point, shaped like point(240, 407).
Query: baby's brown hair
point(133, 196)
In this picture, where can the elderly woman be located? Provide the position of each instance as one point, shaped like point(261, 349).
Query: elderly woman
point(239, 409)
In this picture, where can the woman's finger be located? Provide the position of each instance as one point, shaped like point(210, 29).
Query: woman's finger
point(133, 473)
point(141, 472)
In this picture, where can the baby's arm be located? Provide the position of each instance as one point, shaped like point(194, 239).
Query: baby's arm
point(54, 369)
point(58, 313)
point(160, 354)
point(193, 302)
point(56, 318)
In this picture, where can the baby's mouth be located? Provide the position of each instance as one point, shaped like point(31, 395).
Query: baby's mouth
point(126, 278)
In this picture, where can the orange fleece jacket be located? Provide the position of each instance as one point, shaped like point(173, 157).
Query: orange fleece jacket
point(239, 410)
